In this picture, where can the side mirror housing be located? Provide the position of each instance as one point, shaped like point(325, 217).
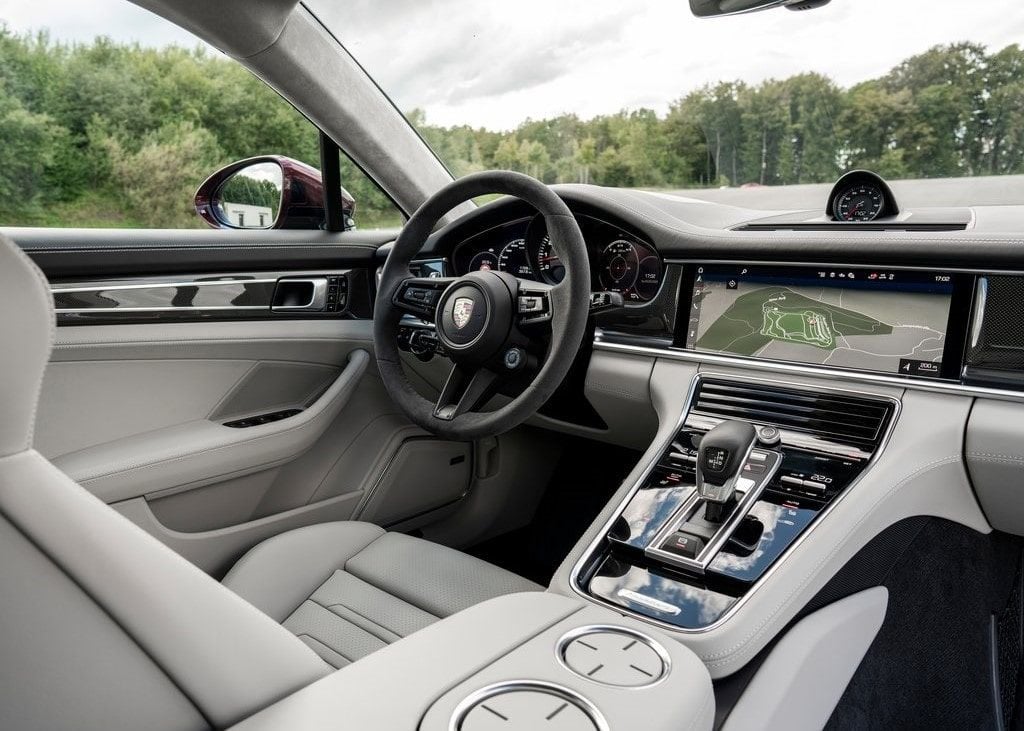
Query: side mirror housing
point(270, 191)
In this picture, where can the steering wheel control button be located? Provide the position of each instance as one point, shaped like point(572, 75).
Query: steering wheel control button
point(514, 358)
point(530, 303)
point(528, 707)
point(614, 656)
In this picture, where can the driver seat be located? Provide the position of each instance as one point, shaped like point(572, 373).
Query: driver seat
point(104, 627)
point(347, 589)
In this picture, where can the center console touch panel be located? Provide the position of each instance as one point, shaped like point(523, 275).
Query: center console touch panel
point(675, 557)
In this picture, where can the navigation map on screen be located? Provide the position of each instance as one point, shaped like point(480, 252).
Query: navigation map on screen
point(889, 321)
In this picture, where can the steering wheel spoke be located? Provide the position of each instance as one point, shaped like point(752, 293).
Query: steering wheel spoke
point(465, 390)
point(419, 296)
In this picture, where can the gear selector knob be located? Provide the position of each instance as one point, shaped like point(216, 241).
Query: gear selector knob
point(720, 457)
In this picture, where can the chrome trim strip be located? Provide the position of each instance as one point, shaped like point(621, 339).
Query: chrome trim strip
point(919, 384)
point(574, 575)
point(980, 301)
point(58, 289)
point(592, 629)
point(210, 308)
point(505, 686)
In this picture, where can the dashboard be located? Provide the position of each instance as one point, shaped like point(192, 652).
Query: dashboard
point(868, 292)
point(620, 261)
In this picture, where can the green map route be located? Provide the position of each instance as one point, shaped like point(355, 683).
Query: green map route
point(779, 313)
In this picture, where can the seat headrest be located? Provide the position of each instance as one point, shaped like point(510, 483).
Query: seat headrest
point(26, 335)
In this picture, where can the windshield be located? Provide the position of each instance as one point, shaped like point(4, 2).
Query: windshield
point(645, 95)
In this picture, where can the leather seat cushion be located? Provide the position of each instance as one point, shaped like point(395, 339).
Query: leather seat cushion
point(347, 589)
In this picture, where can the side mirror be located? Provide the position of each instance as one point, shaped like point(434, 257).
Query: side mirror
point(267, 192)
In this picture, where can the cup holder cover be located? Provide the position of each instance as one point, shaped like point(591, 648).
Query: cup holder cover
point(526, 705)
point(614, 656)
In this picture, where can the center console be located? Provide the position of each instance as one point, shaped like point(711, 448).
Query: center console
point(749, 471)
point(526, 661)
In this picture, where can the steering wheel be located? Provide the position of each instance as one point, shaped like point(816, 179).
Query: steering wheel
point(487, 321)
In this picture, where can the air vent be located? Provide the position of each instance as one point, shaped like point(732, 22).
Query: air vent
point(848, 419)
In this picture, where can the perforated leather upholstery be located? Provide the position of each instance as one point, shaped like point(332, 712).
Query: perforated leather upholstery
point(347, 589)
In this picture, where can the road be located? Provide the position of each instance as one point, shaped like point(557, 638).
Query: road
point(984, 191)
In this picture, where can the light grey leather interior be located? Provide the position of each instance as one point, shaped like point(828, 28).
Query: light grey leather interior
point(348, 589)
point(995, 458)
point(153, 641)
point(920, 472)
point(135, 413)
point(418, 682)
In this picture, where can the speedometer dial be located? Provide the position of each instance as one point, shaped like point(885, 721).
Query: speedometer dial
point(515, 259)
point(550, 266)
point(859, 203)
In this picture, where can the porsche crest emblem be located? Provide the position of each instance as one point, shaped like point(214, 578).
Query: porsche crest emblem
point(462, 311)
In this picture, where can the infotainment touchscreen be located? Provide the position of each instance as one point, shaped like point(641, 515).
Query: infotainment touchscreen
point(893, 321)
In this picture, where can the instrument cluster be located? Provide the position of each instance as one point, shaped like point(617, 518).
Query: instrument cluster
point(620, 262)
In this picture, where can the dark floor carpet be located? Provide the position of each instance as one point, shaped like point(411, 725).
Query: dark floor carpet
point(587, 475)
point(931, 665)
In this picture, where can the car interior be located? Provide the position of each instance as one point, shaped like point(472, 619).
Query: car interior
point(557, 456)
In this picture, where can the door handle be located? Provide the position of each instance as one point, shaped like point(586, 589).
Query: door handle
point(300, 294)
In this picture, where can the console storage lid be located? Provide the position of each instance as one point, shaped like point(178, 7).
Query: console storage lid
point(431, 679)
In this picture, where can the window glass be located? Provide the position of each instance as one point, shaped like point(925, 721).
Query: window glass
point(646, 95)
point(111, 117)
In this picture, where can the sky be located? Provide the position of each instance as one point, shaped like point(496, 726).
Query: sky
point(491, 64)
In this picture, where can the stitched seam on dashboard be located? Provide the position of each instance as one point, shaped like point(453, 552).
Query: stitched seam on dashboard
point(724, 657)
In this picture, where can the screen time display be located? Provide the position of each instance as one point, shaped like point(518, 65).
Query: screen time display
point(892, 321)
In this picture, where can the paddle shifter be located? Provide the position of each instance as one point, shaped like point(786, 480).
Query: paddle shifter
point(721, 455)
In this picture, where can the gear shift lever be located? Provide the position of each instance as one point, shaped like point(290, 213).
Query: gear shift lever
point(720, 457)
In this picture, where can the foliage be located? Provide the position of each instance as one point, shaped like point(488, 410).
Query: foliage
point(952, 111)
point(109, 134)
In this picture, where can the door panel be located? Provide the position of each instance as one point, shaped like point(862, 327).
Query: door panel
point(135, 407)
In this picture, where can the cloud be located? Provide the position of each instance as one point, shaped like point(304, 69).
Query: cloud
point(496, 63)
point(67, 20)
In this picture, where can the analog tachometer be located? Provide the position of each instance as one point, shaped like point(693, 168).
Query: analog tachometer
point(515, 259)
point(550, 266)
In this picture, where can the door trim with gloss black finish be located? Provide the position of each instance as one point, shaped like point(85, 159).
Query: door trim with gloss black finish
point(65, 253)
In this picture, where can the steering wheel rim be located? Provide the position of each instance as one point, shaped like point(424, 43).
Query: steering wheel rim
point(474, 373)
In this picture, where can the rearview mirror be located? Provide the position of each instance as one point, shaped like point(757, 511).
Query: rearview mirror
point(713, 8)
point(266, 192)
